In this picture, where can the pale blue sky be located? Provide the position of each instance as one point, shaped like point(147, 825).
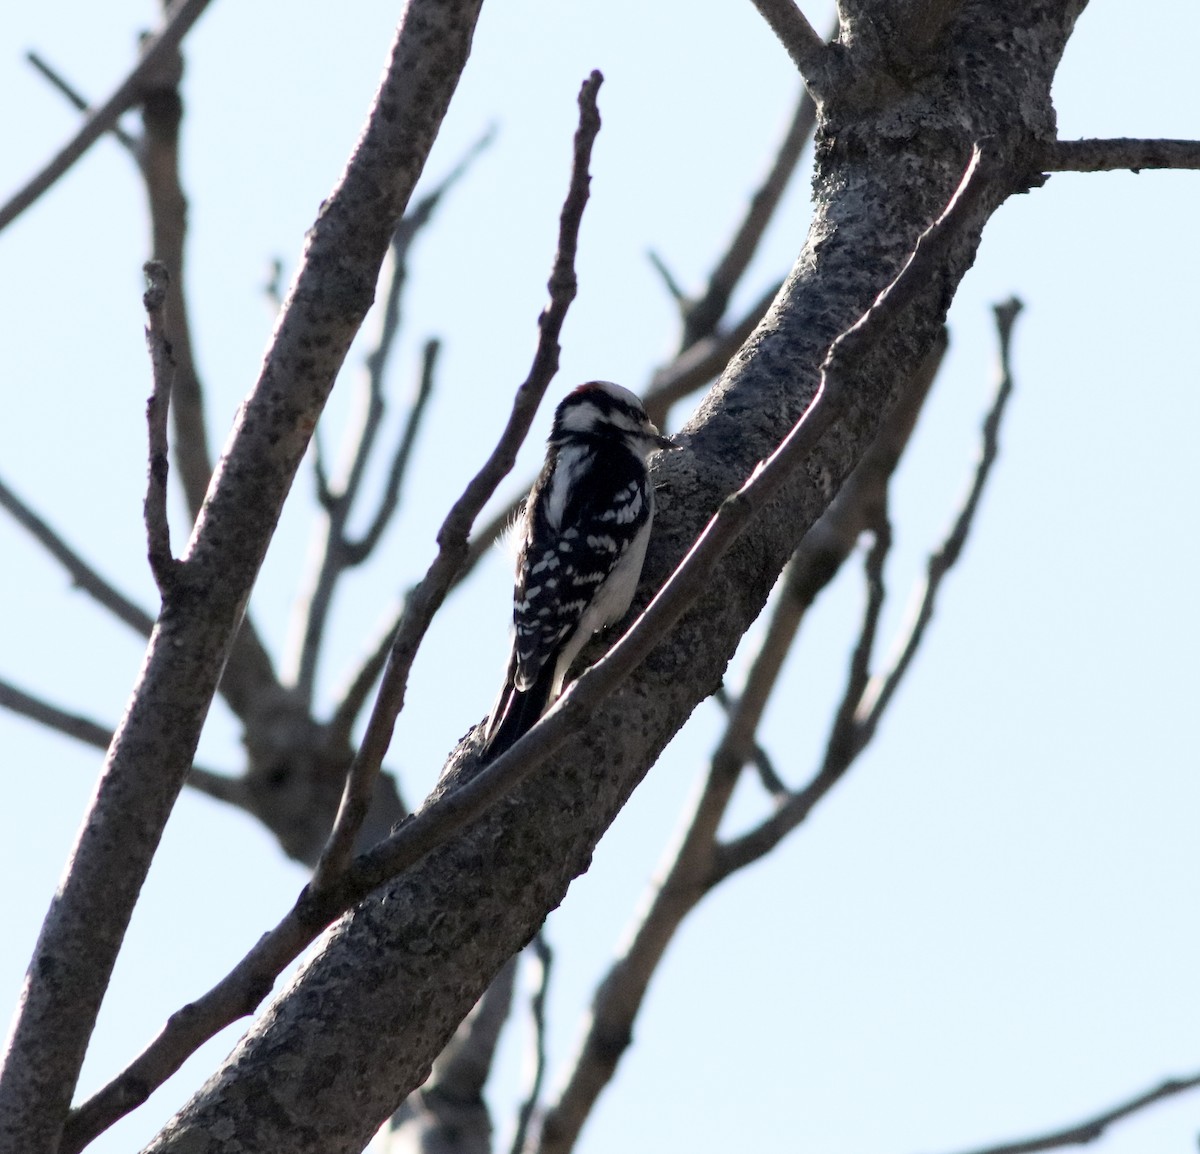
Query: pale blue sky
point(990, 927)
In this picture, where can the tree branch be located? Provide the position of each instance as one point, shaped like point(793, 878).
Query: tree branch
point(684, 878)
point(1106, 155)
point(102, 119)
point(853, 733)
point(807, 50)
point(151, 752)
point(458, 800)
point(75, 97)
point(72, 724)
point(426, 598)
point(1092, 1128)
point(82, 575)
point(158, 529)
point(883, 686)
point(449, 1114)
point(335, 551)
point(537, 1011)
point(702, 316)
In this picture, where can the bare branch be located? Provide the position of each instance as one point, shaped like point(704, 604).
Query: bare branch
point(83, 576)
point(807, 50)
point(215, 785)
point(537, 1009)
point(571, 711)
point(158, 163)
point(1122, 152)
point(72, 724)
point(249, 674)
point(358, 551)
point(74, 97)
point(768, 775)
point(335, 551)
point(673, 287)
point(699, 363)
point(702, 316)
point(883, 686)
point(844, 738)
point(1092, 1128)
point(424, 601)
point(102, 119)
point(152, 750)
point(162, 363)
point(852, 734)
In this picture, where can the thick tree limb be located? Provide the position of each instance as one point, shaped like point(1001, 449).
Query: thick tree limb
point(153, 748)
point(462, 797)
point(457, 802)
point(1106, 155)
point(331, 891)
point(1092, 1128)
point(449, 1115)
point(102, 119)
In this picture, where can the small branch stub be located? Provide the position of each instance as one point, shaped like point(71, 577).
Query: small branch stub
point(162, 364)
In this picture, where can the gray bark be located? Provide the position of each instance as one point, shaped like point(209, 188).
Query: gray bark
point(359, 1027)
point(154, 745)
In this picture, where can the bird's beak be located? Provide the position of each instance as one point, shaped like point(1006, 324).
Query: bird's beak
point(664, 442)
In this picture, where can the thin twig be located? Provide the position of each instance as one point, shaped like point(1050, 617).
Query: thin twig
point(216, 785)
point(358, 551)
point(101, 120)
point(699, 363)
point(158, 530)
point(703, 315)
point(72, 724)
point(768, 775)
point(75, 97)
point(336, 552)
point(848, 740)
point(807, 50)
point(701, 358)
point(883, 686)
point(1092, 1128)
point(844, 740)
point(1122, 152)
point(537, 1010)
point(82, 575)
point(674, 288)
point(424, 601)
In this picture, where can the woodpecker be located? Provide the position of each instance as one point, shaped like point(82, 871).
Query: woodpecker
point(582, 539)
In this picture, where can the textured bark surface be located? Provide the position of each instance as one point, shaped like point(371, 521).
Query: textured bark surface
point(156, 740)
point(360, 1025)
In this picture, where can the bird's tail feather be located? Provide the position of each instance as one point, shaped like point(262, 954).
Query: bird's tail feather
point(516, 713)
